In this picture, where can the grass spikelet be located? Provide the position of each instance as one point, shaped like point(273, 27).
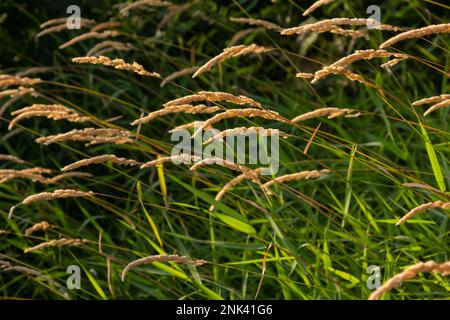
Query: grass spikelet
point(178, 74)
point(233, 182)
point(63, 242)
point(119, 64)
point(369, 54)
point(60, 24)
point(391, 63)
point(90, 35)
point(246, 131)
point(105, 25)
point(227, 164)
point(9, 157)
point(56, 21)
point(329, 112)
point(108, 46)
point(233, 113)
point(161, 258)
point(435, 99)
point(257, 22)
point(34, 174)
point(303, 175)
point(93, 135)
point(46, 196)
point(100, 159)
point(50, 111)
point(423, 208)
point(191, 125)
point(316, 5)
point(304, 75)
point(231, 52)
point(437, 106)
point(17, 93)
point(349, 33)
point(41, 226)
point(186, 108)
point(213, 97)
point(440, 102)
point(185, 158)
point(56, 179)
point(330, 24)
point(143, 3)
point(7, 80)
point(417, 33)
point(410, 273)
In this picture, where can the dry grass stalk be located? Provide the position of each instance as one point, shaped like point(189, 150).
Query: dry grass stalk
point(50, 111)
point(56, 179)
point(185, 158)
point(9, 157)
point(194, 124)
point(417, 33)
point(409, 273)
point(119, 64)
point(90, 35)
point(56, 21)
point(422, 208)
point(233, 113)
point(251, 174)
point(330, 24)
point(303, 175)
point(56, 243)
point(161, 258)
point(37, 175)
point(212, 96)
point(230, 184)
point(143, 3)
point(46, 196)
point(356, 56)
point(60, 24)
point(246, 131)
point(44, 225)
point(100, 159)
point(34, 174)
point(52, 29)
point(335, 70)
point(329, 112)
point(316, 5)
point(186, 108)
point(229, 53)
point(178, 74)
point(105, 25)
point(257, 22)
point(109, 45)
point(17, 93)
point(435, 99)
point(437, 106)
point(108, 275)
point(304, 75)
point(7, 80)
point(7, 266)
point(93, 135)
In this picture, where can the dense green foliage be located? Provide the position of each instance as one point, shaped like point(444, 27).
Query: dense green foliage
point(314, 239)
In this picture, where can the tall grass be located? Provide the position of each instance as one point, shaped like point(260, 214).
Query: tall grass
point(306, 238)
